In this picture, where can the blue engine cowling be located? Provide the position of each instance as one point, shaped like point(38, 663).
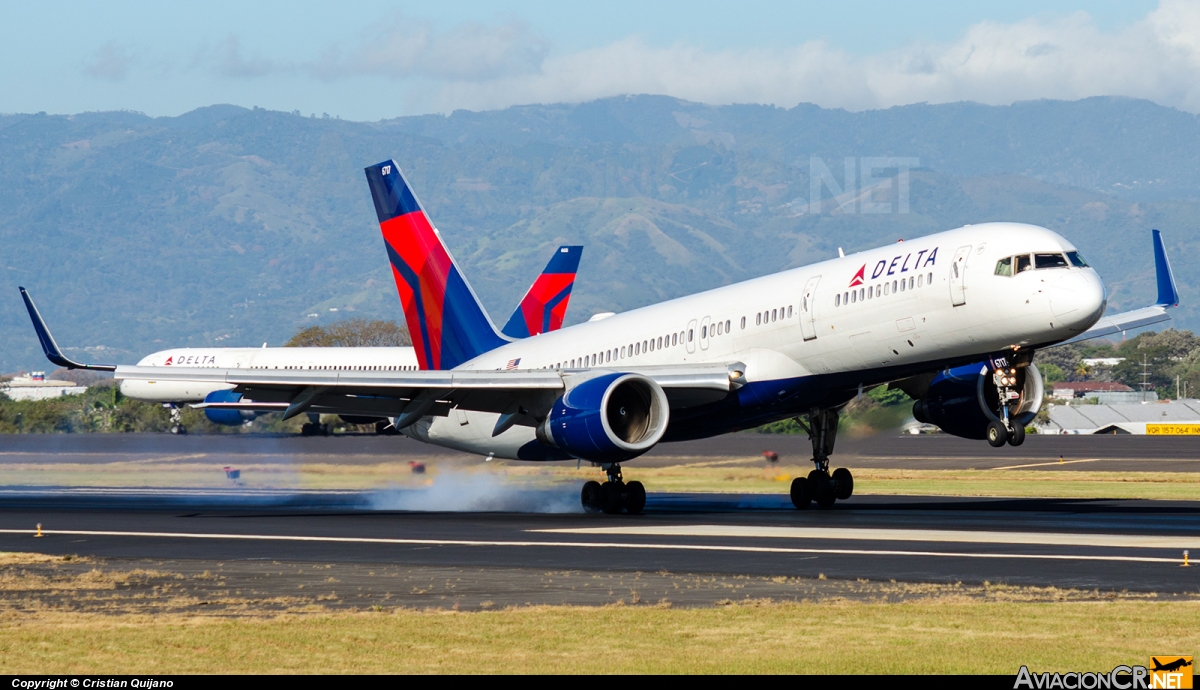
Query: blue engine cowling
point(609, 418)
point(962, 401)
point(227, 417)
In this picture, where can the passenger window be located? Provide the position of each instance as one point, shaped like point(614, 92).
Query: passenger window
point(758, 319)
point(1077, 259)
point(929, 280)
point(902, 283)
point(871, 292)
point(911, 282)
point(837, 300)
point(1004, 266)
point(622, 352)
point(846, 298)
point(1023, 263)
point(1049, 261)
point(726, 325)
point(854, 296)
point(862, 293)
point(637, 348)
point(743, 323)
point(920, 280)
point(773, 314)
point(690, 333)
point(644, 346)
point(893, 286)
point(887, 288)
point(703, 332)
point(675, 336)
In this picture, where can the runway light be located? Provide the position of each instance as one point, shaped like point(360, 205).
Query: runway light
point(39, 533)
point(1185, 560)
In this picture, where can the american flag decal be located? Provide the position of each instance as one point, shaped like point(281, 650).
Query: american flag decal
point(512, 364)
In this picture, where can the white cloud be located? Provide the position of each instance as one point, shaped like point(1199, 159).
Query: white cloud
point(408, 47)
point(110, 62)
point(227, 61)
point(1069, 57)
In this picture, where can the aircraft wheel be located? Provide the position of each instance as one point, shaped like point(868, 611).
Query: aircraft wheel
point(590, 496)
point(997, 435)
point(822, 488)
point(801, 495)
point(635, 497)
point(1018, 435)
point(610, 498)
point(843, 483)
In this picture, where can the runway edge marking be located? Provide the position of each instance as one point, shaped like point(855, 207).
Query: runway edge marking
point(1129, 541)
point(590, 545)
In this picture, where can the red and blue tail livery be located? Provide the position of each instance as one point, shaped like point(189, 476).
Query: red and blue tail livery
point(447, 323)
point(545, 305)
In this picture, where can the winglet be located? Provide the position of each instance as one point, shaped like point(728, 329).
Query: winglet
point(53, 353)
point(545, 305)
point(1168, 295)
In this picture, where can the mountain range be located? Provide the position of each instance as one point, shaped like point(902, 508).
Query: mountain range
point(235, 226)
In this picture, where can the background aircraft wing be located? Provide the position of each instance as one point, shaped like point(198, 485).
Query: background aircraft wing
point(1168, 297)
point(49, 346)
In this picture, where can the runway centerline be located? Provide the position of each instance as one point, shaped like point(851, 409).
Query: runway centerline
point(589, 545)
point(880, 534)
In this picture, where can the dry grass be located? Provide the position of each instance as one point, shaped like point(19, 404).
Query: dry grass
point(830, 637)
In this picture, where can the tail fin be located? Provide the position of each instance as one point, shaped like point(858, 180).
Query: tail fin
point(545, 305)
point(447, 323)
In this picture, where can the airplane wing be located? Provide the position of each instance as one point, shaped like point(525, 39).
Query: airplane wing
point(526, 394)
point(53, 353)
point(1168, 297)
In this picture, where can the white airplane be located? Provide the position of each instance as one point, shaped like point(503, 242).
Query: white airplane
point(953, 318)
point(542, 309)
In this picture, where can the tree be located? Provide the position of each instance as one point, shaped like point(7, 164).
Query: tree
point(352, 333)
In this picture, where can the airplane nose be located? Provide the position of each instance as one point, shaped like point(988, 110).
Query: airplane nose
point(1078, 299)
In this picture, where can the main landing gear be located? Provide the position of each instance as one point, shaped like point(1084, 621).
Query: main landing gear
point(614, 495)
point(1006, 429)
point(177, 426)
point(820, 486)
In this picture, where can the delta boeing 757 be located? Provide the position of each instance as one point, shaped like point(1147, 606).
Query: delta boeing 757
point(953, 319)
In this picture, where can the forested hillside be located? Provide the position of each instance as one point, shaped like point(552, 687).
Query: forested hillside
point(235, 226)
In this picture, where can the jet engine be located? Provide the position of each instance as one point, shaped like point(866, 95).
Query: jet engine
point(227, 417)
point(609, 418)
point(964, 400)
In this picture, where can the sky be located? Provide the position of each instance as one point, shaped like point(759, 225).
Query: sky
point(374, 59)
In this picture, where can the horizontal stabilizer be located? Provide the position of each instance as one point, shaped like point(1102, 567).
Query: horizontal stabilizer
point(544, 307)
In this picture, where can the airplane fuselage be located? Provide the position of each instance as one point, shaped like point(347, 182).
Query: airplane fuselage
point(324, 358)
point(812, 336)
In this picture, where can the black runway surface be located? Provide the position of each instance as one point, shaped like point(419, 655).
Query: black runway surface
point(1086, 544)
point(1107, 545)
point(936, 451)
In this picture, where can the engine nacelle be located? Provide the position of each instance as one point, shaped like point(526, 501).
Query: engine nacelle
point(227, 417)
point(609, 418)
point(962, 401)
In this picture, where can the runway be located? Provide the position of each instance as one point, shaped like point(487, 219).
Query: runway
point(1105, 545)
point(884, 451)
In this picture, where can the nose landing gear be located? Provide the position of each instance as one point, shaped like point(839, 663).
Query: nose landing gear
point(820, 486)
point(1007, 429)
point(614, 495)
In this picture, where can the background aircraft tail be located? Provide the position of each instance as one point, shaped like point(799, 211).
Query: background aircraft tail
point(545, 305)
point(447, 323)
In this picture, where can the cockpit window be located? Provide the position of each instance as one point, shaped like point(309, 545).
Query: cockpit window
point(1077, 259)
point(1004, 266)
point(1049, 261)
point(1023, 263)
